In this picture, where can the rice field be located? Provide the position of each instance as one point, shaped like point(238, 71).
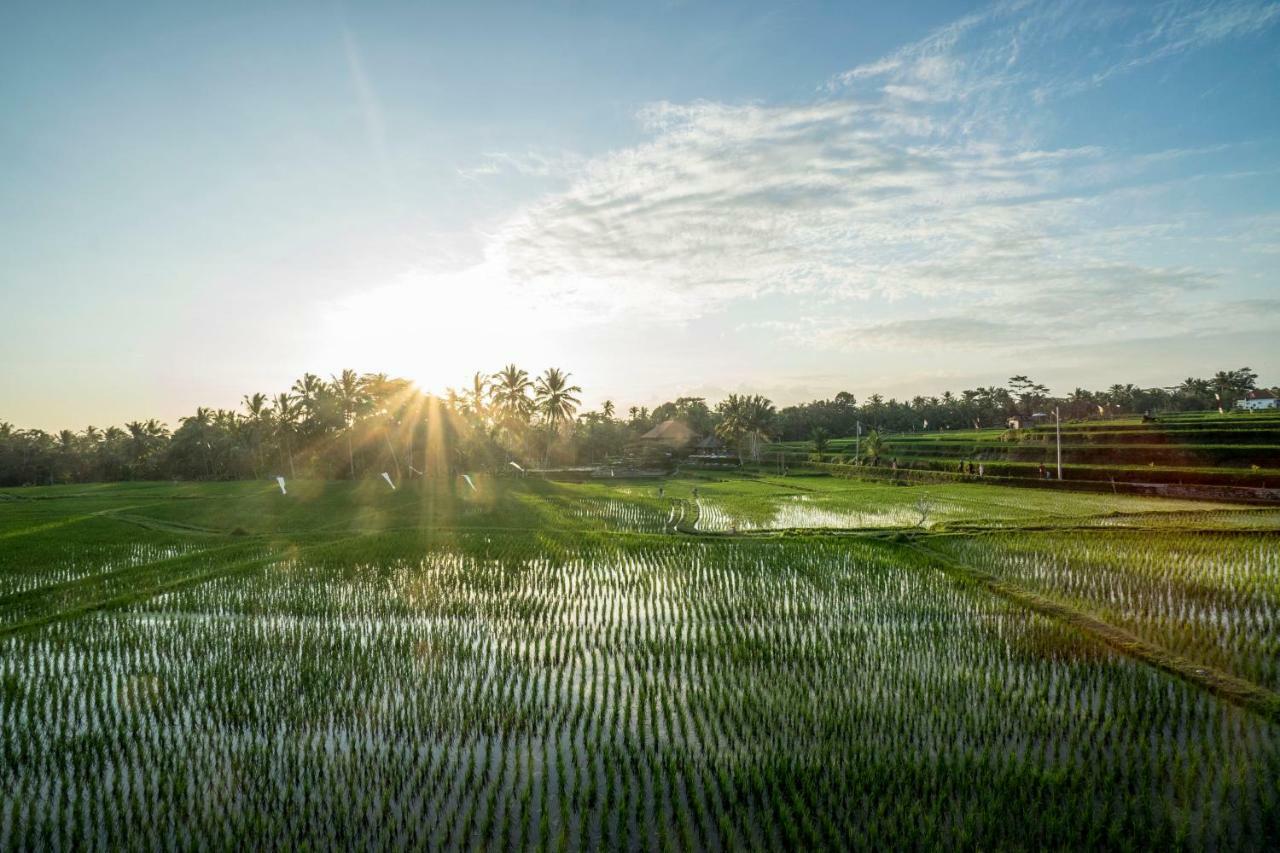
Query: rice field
point(1212, 597)
point(541, 666)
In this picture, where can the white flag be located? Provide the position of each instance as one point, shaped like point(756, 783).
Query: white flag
point(387, 477)
point(280, 482)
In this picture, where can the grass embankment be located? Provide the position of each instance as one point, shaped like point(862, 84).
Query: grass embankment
point(1235, 450)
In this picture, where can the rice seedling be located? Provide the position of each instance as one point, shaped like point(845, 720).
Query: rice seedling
point(1214, 598)
point(580, 689)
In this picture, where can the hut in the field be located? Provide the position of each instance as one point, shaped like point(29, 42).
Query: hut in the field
point(709, 446)
point(675, 437)
point(663, 446)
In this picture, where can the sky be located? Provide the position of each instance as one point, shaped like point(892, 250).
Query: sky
point(201, 201)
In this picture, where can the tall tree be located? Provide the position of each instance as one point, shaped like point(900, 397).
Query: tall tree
point(349, 394)
point(257, 424)
point(513, 400)
point(556, 400)
point(285, 413)
point(555, 397)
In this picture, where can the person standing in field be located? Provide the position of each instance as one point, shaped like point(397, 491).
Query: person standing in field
point(981, 469)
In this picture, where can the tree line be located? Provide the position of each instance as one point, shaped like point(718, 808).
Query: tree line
point(351, 425)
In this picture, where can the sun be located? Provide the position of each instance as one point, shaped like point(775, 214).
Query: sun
point(434, 329)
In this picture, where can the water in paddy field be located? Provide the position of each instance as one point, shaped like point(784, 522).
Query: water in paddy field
point(804, 512)
point(620, 693)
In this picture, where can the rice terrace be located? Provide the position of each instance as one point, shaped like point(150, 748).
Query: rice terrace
point(653, 427)
point(535, 664)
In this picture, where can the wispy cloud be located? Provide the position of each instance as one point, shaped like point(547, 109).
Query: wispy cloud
point(533, 164)
point(918, 178)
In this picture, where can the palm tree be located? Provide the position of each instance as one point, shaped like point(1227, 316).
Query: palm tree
point(476, 398)
point(555, 396)
point(556, 401)
point(394, 401)
point(821, 439)
point(607, 410)
point(67, 454)
point(258, 420)
point(284, 412)
point(873, 446)
point(201, 420)
point(350, 396)
point(144, 440)
point(309, 390)
point(745, 419)
point(511, 396)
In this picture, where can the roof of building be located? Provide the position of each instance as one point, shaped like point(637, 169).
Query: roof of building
point(671, 432)
point(711, 442)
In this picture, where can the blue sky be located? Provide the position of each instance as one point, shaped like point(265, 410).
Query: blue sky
point(199, 201)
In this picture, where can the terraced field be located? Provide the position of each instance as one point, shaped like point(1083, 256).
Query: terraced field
point(537, 665)
point(1237, 449)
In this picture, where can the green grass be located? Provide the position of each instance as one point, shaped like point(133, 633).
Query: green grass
point(537, 664)
point(1191, 449)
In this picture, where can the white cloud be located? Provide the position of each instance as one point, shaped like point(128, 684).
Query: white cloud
point(919, 177)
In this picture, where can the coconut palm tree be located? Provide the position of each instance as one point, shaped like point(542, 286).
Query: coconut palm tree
point(555, 400)
point(607, 410)
point(476, 399)
point(350, 396)
point(512, 398)
point(285, 411)
point(821, 440)
point(873, 447)
point(555, 396)
point(392, 402)
point(258, 423)
point(310, 391)
point(746, 420)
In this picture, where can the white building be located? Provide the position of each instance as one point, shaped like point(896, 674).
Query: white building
point(1258, 403)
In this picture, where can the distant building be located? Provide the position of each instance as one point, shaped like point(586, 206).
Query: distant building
point(672, 436)
point(711, 445)
point(1255, 404)
point(1025, 421)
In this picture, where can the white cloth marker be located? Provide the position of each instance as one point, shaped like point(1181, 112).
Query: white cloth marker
point(469, 483)
point(280, 483)
point(387, 477)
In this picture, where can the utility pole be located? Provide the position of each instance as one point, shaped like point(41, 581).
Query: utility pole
point(857, 442)
point(1057, 426)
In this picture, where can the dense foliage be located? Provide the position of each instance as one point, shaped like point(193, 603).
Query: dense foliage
point(352, 425)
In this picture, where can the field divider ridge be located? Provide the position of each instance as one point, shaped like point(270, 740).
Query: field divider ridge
point(133, 596)
point(1234, 689)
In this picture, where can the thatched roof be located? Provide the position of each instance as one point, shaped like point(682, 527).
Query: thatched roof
point(672, 433)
